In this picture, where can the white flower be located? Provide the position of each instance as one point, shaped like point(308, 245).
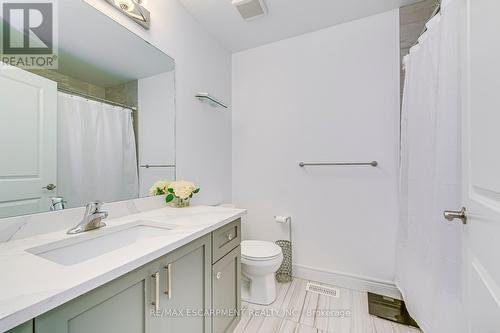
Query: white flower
point(182, 189)
point(161, 185)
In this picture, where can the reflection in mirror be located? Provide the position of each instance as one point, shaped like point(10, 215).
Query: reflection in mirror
point(100, 127)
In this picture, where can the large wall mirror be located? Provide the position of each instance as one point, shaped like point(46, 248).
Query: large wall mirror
point(100, 127)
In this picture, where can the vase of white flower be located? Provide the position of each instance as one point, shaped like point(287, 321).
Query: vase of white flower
point(177, 193)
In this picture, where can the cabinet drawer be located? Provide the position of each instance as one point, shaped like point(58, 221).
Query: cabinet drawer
point(225, 239)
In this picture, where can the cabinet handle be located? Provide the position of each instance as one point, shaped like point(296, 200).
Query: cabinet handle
point(219, 275)
point(229, 236)
point(156, 303)
point(168, 281)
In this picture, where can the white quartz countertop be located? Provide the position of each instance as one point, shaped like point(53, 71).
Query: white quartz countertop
point(31, 285)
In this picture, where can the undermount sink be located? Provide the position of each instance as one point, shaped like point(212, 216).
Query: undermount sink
point(92, 244)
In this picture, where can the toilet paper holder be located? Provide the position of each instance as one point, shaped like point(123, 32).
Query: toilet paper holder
point(285, 220)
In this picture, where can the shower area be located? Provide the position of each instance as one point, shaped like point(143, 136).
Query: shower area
point(110, 132)
point(429, 250)
point(96, 140)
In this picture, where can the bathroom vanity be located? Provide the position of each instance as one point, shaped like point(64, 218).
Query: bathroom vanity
point(165, 270)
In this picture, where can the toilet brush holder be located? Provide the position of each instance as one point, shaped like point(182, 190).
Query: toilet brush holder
point(284, 273)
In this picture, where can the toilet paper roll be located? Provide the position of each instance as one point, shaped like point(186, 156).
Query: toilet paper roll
point(283, 219)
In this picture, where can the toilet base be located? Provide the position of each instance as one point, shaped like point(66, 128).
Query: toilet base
point(259, 290)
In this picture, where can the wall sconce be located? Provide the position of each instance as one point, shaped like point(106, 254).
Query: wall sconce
point(134, 10)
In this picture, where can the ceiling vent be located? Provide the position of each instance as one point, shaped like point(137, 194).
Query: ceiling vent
point(250, 9)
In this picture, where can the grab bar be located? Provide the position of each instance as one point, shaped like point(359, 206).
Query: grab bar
point(373, 164)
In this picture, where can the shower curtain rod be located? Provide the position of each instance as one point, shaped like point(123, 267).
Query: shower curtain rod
point(94, 98)
point(434, 13)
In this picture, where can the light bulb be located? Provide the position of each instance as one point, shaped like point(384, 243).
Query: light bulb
point(125, 5)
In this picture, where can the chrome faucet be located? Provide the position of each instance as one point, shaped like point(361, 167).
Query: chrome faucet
point(91, 220)
point(58, 203)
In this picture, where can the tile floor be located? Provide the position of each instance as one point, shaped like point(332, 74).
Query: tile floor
point(296, 310)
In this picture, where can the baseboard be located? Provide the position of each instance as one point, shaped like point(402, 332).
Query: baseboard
point(345, 280)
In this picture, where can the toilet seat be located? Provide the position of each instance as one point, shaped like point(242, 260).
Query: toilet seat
point(259, 250)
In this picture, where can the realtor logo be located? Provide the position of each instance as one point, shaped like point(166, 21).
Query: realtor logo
point(29, 34)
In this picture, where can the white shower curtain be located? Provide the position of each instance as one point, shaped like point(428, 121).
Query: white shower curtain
point(96, 152)
point(429, 248)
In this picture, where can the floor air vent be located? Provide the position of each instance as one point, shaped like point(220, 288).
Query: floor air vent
point(323, 290)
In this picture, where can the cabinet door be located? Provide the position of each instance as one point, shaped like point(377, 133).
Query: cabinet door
point(226, 289)
point(186, 279)
point(24, 328)
point(121, 306)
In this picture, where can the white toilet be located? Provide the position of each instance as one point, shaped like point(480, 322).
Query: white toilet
point(259, 261)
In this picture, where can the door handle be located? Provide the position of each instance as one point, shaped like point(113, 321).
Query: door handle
point(451, 215)
point(156, 303)
point(50, 187)
point(168, 281)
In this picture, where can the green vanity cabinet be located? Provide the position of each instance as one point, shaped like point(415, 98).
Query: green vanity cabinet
point(226, 292)
point(226, 277)
point(177, 281)
point(176, 293)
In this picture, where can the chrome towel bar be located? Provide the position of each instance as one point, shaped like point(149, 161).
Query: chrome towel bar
point(373, 164)
point(147, 166)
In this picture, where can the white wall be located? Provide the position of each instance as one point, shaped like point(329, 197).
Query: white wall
point(326, 96)
point(156, 115)
point(202, 64)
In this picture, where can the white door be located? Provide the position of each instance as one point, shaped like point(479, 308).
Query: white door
point(28, 142)
point(481, 167)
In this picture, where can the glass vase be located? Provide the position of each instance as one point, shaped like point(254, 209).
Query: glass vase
point(181, 203)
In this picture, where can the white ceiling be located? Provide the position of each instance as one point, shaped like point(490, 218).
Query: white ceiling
point(286, 18)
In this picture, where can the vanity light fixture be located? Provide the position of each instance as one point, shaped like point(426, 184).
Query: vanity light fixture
point(210, 100)
point(133, 9)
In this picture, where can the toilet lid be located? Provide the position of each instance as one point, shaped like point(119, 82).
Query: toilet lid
point(259, 250)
